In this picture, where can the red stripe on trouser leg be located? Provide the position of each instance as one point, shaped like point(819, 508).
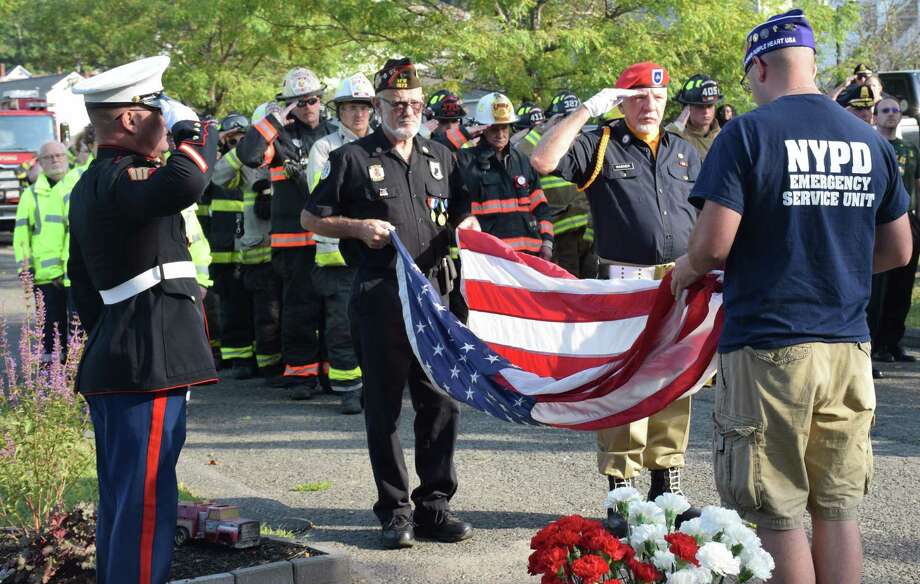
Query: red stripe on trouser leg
point(149, 521)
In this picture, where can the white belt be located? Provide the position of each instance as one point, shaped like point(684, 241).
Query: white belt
point(147, 280)
point(619, 271)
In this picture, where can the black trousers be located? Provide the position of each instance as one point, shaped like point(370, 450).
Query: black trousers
point(894, 296)
point(264, 287)
point(236, 331)
point(333, 286)
point(388, 365)
point(56, 317)
point(300, 310)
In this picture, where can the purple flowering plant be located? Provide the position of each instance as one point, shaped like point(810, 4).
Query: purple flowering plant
point(45, 441)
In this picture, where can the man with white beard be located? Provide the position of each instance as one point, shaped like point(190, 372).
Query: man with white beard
point(395, 180)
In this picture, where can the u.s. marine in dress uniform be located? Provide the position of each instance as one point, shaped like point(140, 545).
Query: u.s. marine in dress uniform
point(136, 293)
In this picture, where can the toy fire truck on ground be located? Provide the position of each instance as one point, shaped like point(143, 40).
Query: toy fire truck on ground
point(217, 524)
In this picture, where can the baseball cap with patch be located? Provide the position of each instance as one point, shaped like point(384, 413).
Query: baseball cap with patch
point(137, 83)
point(397, 74)
point(790, 29)
point(642, 75)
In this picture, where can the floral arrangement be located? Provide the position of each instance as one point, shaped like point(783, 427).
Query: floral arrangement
point(704, 550)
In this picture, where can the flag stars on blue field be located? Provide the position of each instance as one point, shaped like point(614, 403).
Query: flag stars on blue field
point(455, 360)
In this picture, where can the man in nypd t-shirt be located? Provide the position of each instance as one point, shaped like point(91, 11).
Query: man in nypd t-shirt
point(801, 202)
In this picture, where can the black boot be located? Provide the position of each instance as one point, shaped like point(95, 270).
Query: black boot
point(616, 523)
point(442, 526)
point(667, 480)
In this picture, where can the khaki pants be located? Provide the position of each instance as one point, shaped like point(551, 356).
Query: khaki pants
point(791, 432)
point(656, 442)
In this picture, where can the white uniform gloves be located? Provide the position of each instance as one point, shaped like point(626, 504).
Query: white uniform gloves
point(606, 100)
point(175, 112)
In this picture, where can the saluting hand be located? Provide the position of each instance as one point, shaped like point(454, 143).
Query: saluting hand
point(376, 233)
point(470, 222)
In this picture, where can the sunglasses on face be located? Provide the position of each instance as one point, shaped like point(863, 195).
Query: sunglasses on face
point(308, 101)
point(401, 106)
point(231, 142)
point(889, 110)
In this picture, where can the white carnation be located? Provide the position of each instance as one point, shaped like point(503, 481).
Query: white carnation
point(648, 532)
point(693, 527)
point(671, 503)
point(718, 559)
point(690, 575)
point(622, 495)
point(645, 512)
point(716, 519)
point(758, 561)
point(664, 560)
point(740, 534)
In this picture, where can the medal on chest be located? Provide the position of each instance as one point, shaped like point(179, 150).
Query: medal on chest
point(438, 208)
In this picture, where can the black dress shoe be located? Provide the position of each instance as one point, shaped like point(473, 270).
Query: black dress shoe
point(443, 527)
point(876, 374)
point(901, 356)
point(398, 533)
point(883, 356)
point(616, 524)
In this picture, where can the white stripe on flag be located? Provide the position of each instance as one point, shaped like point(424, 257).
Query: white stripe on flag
point(585, 339)
point(477, 266)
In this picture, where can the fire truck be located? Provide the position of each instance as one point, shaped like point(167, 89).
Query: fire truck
point(25, 124)
point(215, 523)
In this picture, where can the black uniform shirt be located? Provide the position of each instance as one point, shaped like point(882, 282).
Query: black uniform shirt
point(368, 179)
point(638, 201)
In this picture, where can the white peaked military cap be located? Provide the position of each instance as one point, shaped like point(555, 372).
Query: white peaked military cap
point(138, 82)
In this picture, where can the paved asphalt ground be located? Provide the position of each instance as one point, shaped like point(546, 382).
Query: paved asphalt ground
point(249, 445)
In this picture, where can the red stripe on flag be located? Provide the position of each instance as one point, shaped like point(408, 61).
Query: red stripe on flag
point(484, 243)
point(660, 399)
point(550, 364)
point(149, 521)
point(484, 296)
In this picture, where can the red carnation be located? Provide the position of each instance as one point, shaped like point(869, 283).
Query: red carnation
point(543, 537)
point(590, 568)
point(600, 540)
point(566, 537)
point(644, 572)
point(683, 546)
point(576, 523)
point(547, 561)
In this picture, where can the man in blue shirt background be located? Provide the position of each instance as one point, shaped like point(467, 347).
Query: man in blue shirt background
point(801, 203)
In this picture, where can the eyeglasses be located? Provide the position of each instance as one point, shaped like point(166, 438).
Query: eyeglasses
point(401, 106)
point(52, 156)
point(308, 101)
point(889, 110)
point(231, 142)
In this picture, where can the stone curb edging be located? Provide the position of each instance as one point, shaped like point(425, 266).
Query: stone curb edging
point(329, 568)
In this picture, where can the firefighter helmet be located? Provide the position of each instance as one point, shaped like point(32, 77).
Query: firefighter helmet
point(495, 108)
point(444, 105)
point(234, 122)
point(529, 115)
point(565, 102)
point(699, 90)
point(300, 82)
point(356, 88)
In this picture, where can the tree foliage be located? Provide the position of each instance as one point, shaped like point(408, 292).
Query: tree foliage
point(231, 54)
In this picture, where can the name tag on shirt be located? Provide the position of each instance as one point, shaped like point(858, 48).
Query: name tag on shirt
point(624, 166)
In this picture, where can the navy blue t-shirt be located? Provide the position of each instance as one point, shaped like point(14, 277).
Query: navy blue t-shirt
point(811, 181)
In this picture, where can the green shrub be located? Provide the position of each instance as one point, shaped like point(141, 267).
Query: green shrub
point(45, 447)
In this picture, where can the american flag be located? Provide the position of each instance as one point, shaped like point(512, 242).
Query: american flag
point(544, 348)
